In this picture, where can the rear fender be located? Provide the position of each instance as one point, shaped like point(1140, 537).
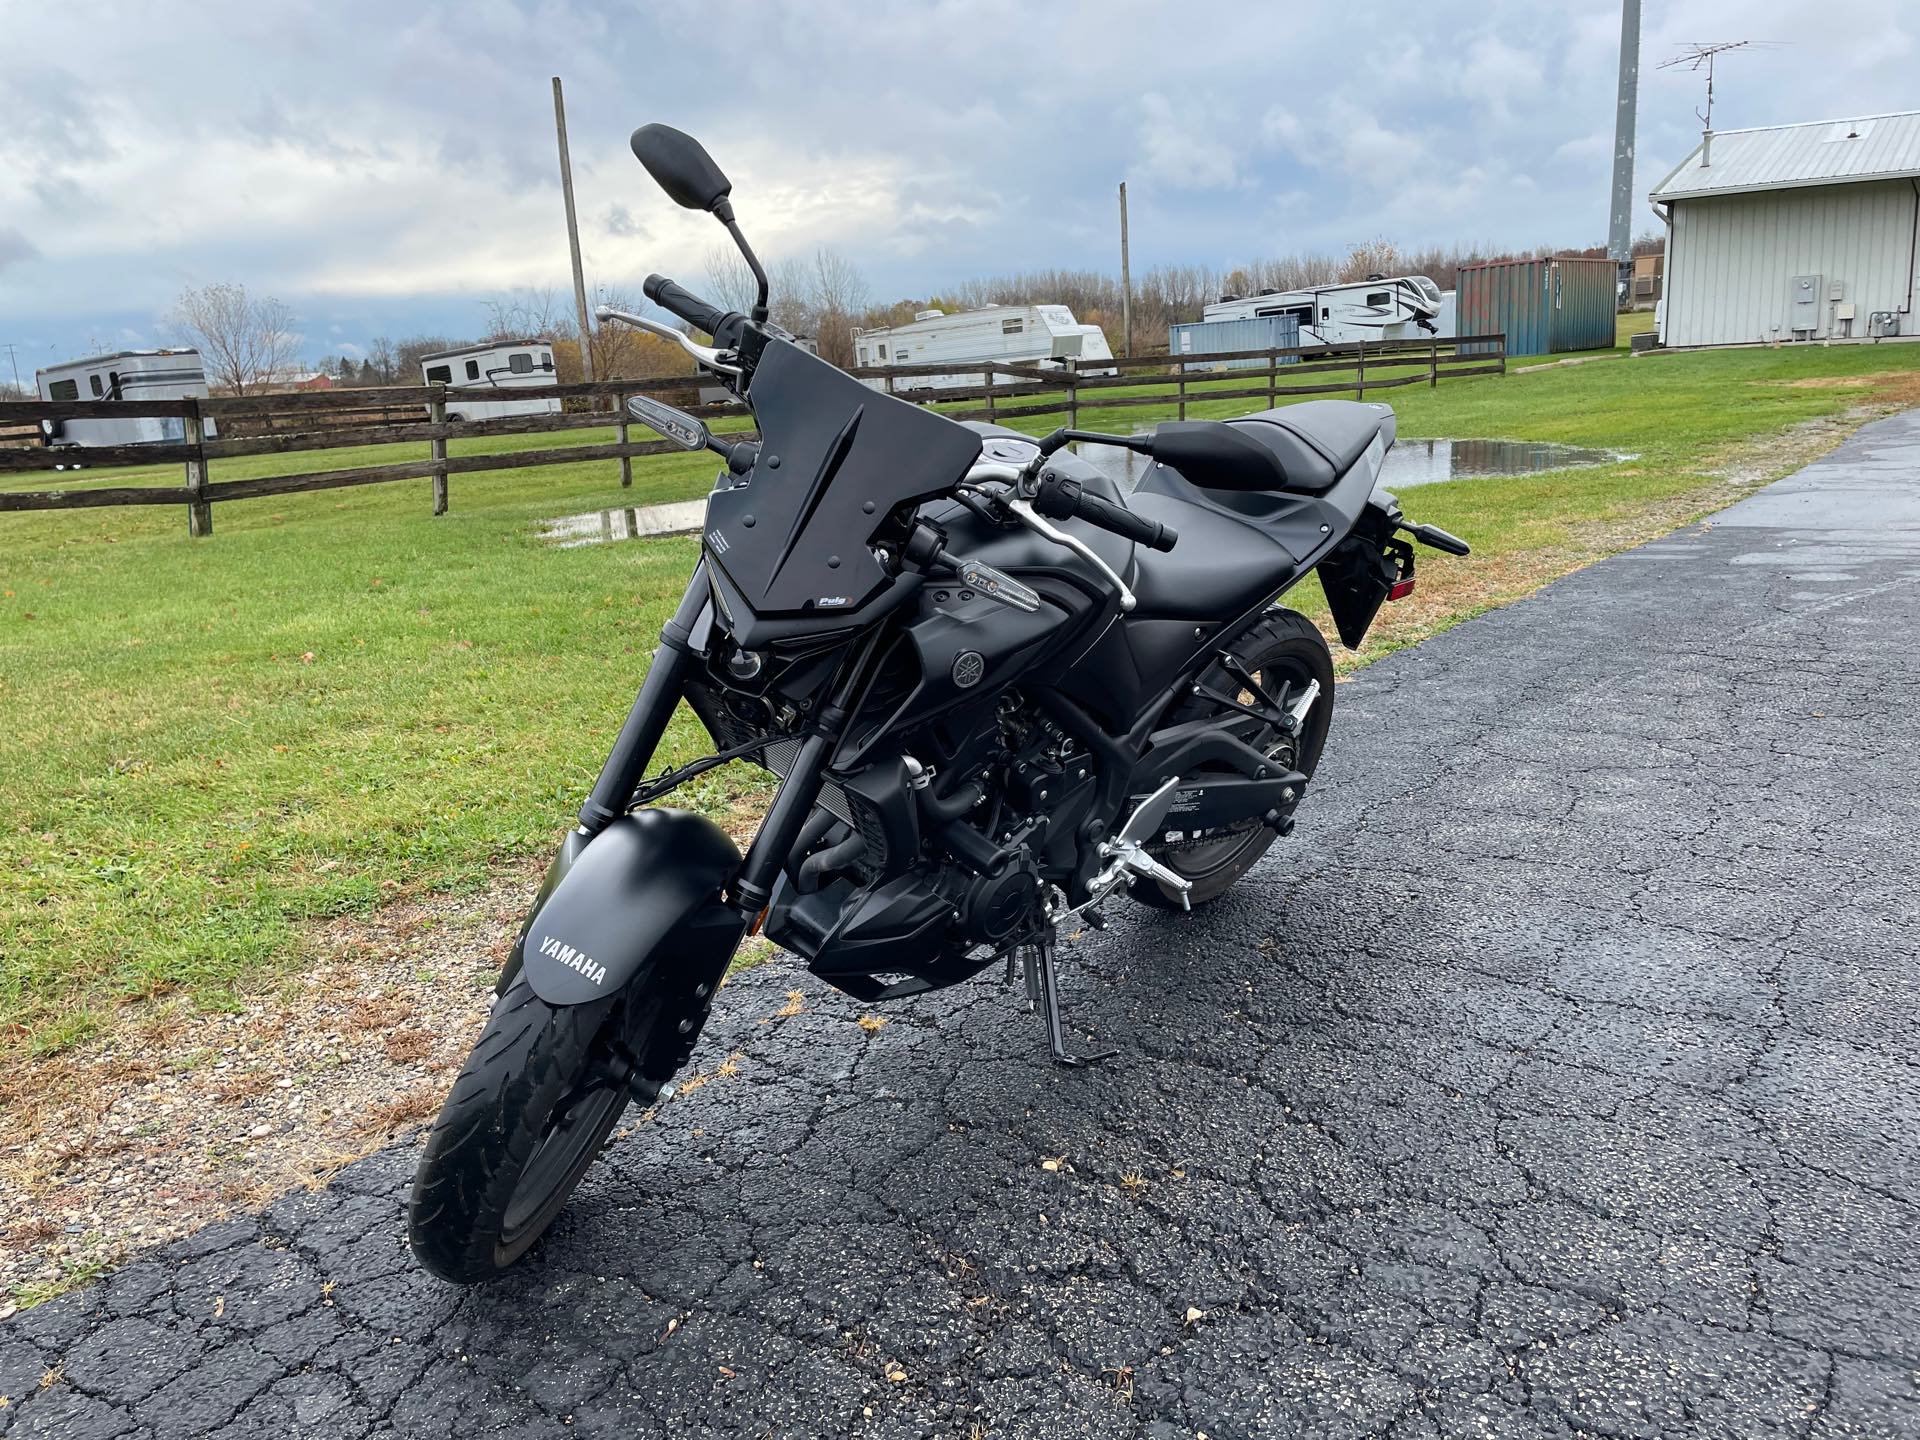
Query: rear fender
point(647, 887)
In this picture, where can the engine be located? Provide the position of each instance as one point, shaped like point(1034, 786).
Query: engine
point(942, 859)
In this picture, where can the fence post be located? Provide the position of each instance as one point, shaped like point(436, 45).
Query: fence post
point(1273, 377)
point(626, 460)
point(1433, 362)
point(199, 508)
point(1183, 387)
point(1503, 352)
point(438, 412)
point(986, 377)
point(1073, 393)
point(1360, 385)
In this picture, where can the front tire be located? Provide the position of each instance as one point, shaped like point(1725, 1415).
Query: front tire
point(529, 1113)
point(1284, 649)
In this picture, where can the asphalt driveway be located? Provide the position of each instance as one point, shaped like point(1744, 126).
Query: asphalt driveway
point(1556, 1078)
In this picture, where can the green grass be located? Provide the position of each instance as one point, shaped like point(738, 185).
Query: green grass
point(339, 699)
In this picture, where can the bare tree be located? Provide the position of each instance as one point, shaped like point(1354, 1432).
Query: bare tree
point(380, 357)
point(788, 301)
point(408, 354)
point(242, 341)
point(1378, 256)
point(730, 282)
point(530, 314)
point(837, 297)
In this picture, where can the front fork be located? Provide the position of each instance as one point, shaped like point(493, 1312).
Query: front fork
point(662, 690)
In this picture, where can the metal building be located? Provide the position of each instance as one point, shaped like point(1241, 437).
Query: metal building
point(1793, 232)
point(1250, 337)
point(1548, 306)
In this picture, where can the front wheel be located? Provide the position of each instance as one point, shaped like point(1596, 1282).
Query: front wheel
point(533, 1105)
point(1283, 652)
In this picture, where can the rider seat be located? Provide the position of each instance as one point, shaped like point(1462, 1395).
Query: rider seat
point(1234, 545)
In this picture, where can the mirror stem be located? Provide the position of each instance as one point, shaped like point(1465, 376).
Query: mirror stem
point(724, 210)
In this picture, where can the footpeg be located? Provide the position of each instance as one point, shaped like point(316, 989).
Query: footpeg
point(1135, 861)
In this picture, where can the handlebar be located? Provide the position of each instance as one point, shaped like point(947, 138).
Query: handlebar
point(1061, 498)
point(723, 325)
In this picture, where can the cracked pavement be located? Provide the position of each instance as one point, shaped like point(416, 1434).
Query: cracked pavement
point(1554, 1079)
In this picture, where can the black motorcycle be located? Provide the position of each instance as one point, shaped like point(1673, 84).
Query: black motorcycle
point(993, 691)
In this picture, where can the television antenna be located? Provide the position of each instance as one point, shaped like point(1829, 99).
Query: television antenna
point(1700, 56)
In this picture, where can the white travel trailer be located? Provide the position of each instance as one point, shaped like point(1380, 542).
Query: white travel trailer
point(124, 375)
point(480, 378)
point(1045, 335)
point(1404, 307)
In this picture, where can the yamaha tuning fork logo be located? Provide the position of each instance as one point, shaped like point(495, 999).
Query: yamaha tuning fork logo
point(968, 667)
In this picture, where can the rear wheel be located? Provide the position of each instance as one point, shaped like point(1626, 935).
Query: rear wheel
point(529, 1113)
point(1284, 652)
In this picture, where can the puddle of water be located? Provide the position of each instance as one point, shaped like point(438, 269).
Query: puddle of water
point(638, 522)
point(1422, 462)
point(1411, 462)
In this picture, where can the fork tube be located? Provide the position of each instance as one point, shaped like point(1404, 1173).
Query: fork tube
point(794, 801)
point(652, 709)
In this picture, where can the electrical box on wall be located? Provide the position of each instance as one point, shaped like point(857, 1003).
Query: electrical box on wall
point(1803, 304)
point(1837, 290)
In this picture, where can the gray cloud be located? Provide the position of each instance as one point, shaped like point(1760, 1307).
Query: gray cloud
point(14, 247)
point(384, 169)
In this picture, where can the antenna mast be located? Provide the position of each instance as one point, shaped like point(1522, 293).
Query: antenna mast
point(1697, 57)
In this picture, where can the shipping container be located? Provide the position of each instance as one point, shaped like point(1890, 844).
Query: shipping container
point(1543, 307)
point(1252, 337)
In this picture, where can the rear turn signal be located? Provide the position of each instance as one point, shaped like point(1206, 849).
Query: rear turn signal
point(1401, 589)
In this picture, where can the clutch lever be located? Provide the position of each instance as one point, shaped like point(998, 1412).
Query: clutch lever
point(705, 354)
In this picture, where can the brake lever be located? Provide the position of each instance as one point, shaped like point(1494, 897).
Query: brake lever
point(1043, 527)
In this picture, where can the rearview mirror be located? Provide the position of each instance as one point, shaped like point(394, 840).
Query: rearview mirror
point(680, 165)
point(677, 426)
point(1217, 456)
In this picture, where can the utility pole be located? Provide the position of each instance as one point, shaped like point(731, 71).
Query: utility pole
point(16, 369)
point(1620, 227)
point(1126, 275)
point(573, 231)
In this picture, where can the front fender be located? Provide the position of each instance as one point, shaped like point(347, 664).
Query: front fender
point(611, 900)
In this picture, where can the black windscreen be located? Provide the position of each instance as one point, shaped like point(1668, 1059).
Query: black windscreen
point(835, 458)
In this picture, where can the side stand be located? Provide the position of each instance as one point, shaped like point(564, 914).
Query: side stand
point(1043, 994)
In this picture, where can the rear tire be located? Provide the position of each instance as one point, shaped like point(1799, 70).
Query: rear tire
point(1284, 649)
point(527, 1116)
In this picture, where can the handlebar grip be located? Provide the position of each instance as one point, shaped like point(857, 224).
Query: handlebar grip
point(1122, 521)
point(722, 325)
point(1060, 498)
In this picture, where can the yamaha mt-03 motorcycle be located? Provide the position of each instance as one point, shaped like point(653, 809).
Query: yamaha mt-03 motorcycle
point(995, 692)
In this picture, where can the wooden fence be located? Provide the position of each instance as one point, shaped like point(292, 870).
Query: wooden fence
point(321, 420)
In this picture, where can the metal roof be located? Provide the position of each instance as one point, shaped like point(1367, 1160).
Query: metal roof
point(116, 355)
point(483, 347)
point(1779, 157)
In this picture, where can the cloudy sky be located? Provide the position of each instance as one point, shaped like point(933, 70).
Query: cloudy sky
point(386, 168)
